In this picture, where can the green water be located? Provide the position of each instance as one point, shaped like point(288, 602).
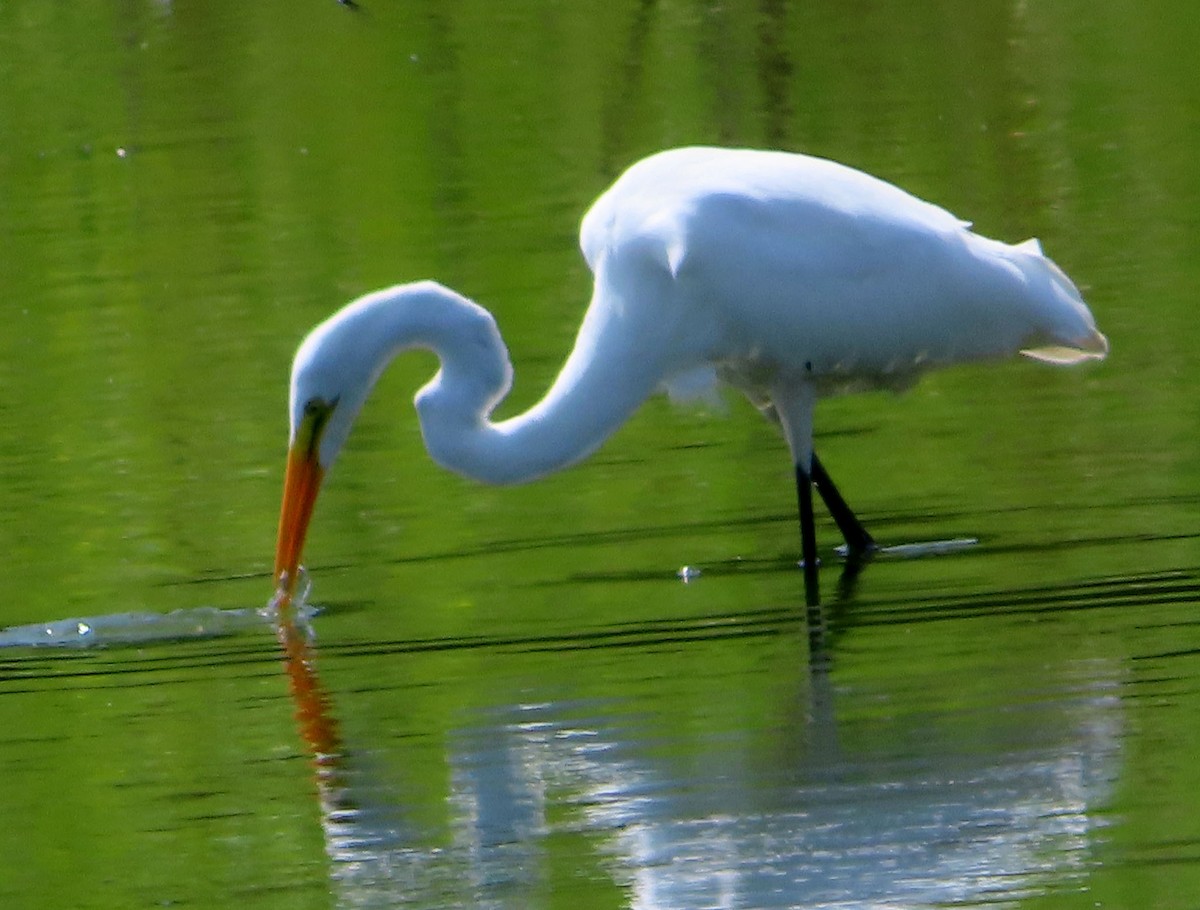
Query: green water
point(532, 709)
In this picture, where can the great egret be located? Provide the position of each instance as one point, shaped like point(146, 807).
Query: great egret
point(786, 276)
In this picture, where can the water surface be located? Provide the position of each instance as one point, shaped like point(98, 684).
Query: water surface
point(510, 697)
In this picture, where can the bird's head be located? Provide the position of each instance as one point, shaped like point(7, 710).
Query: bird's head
point(332, 374)
point(337, 366)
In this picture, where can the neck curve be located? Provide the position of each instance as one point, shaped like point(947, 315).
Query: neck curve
point(605, 378)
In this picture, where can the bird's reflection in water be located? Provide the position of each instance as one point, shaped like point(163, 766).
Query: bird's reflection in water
point(361, 839)
point(826, 827)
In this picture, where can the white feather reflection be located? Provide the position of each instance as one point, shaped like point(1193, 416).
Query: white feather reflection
point(831, 831)
point(933, 830)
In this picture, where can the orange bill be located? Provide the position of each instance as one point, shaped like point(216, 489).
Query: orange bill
point(300, 486)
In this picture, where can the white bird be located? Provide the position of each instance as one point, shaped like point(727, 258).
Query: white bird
point(785, 276)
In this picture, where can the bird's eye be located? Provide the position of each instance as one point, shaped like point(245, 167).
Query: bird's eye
point(319, 407)
point(314, 417)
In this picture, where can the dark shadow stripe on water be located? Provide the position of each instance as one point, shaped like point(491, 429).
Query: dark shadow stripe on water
point(122, 663)
point(787, 562)
point(942, 523)
point(1175, 586)
point(124, 666)
point(123, 672)
point(657, 633)
point(1166, 587)
point(1127, 591)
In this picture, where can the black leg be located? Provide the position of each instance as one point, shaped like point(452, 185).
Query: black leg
point(808, 536)
point(858, 540)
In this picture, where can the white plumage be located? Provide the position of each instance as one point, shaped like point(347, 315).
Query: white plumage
point(786, 276)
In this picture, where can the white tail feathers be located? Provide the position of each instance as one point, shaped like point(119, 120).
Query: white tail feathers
point(1092, 347)
point(1068, 334)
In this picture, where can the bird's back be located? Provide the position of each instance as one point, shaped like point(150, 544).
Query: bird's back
point(792, 263)
point(678, 185)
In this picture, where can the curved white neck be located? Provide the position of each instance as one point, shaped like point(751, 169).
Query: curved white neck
point(606, 377)
point(599, 387)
